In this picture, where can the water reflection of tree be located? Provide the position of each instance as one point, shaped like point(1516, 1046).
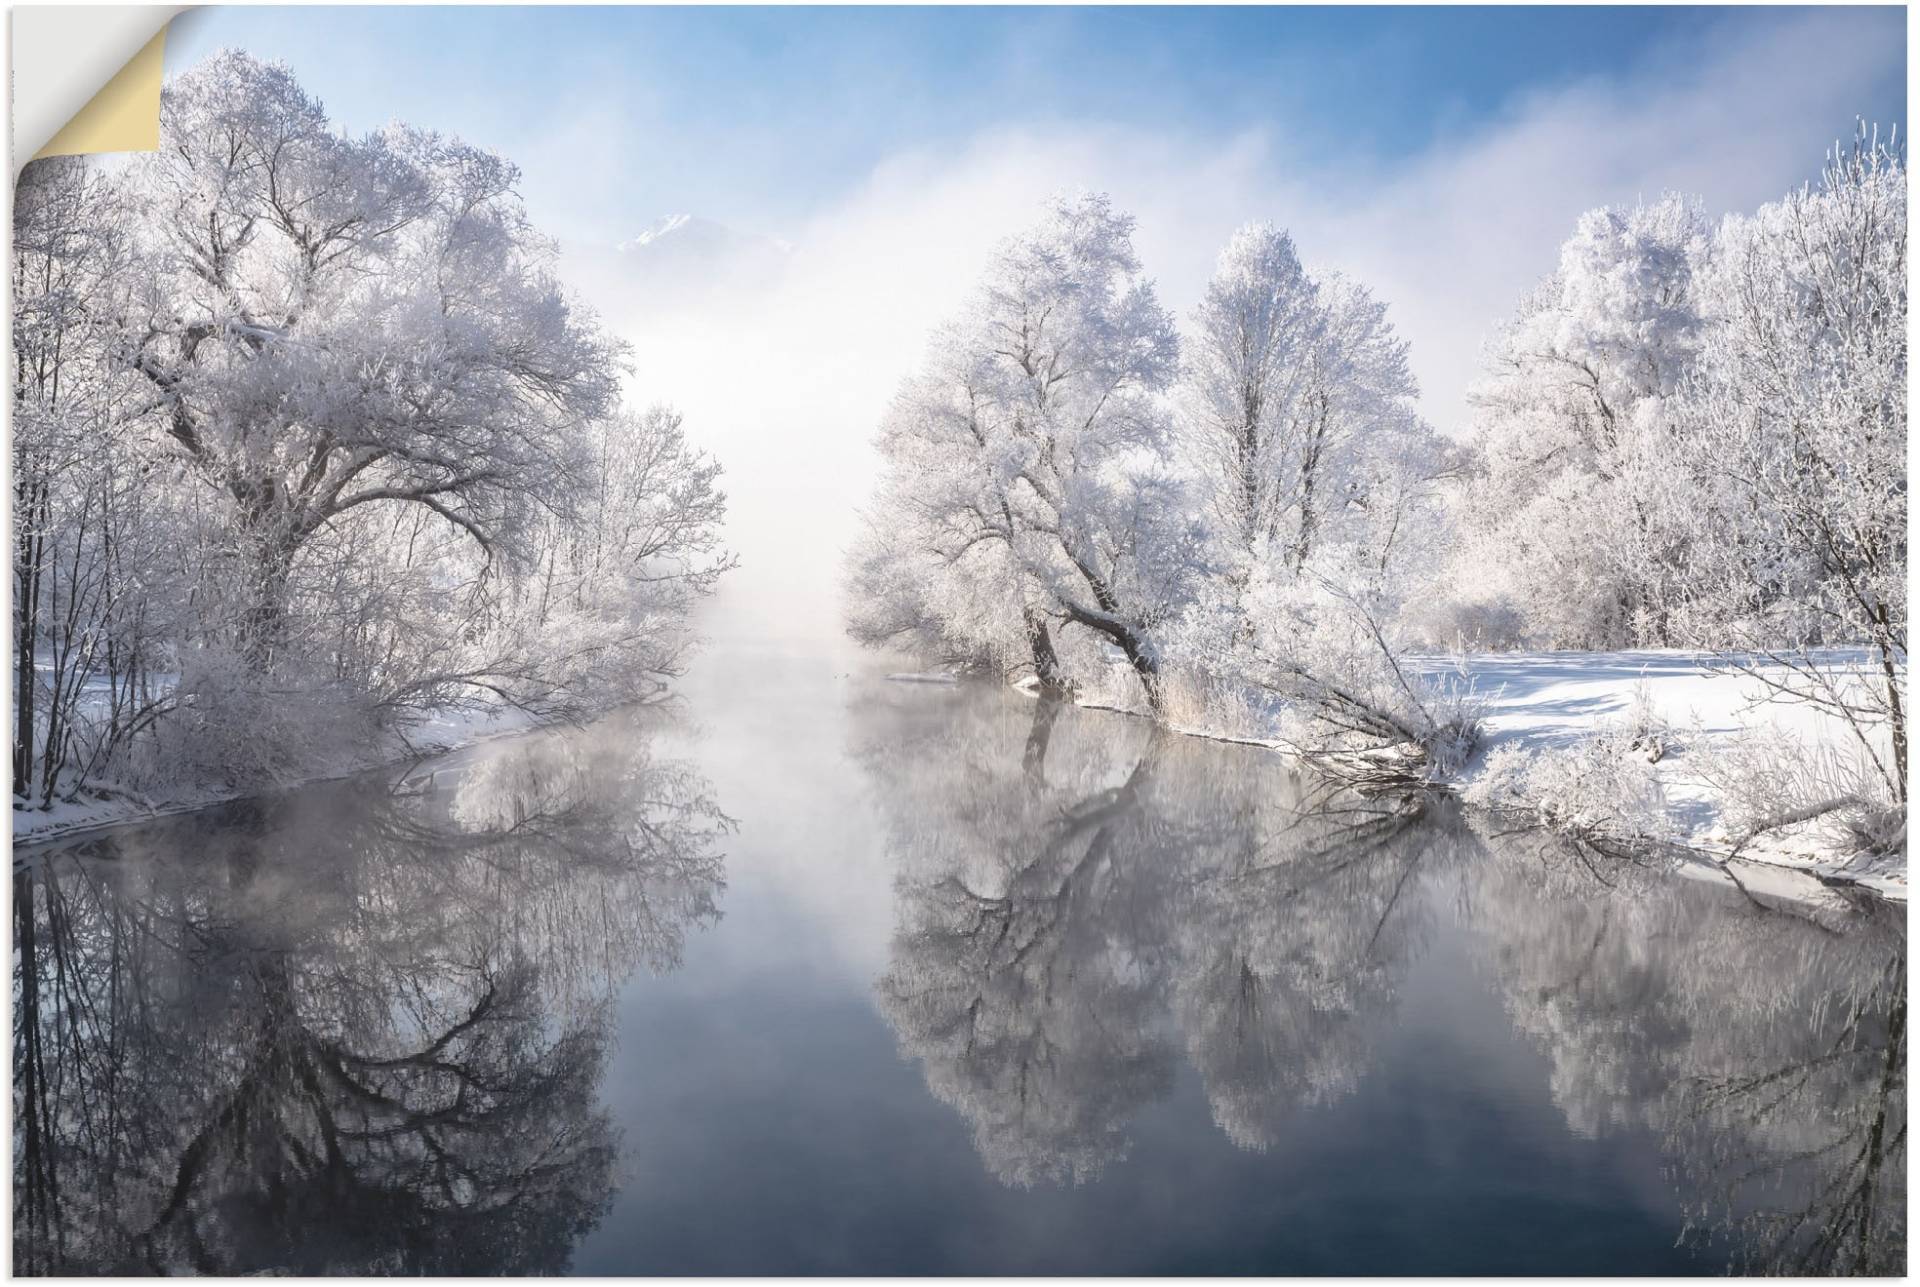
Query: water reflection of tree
point(351, 1030)
point(1765, 1043)
point(1296, 937)
point(1030, 1017)
point(1081, 898)
point(1081, 901)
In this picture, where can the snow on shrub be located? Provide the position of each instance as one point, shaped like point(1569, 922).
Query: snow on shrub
point(1327, 655)
point(1601, 790)
point(1481, 624)
point(235, 727)
point(1772, 784)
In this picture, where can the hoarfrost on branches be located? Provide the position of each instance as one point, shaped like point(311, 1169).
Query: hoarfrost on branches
point(314, 441)
point(1687, 435)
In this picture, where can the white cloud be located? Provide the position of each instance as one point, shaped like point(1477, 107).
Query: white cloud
point(784, 363)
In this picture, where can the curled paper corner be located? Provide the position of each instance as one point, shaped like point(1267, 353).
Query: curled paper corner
point(124, 116)
point(86, 79)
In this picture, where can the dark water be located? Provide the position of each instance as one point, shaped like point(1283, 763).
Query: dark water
point(860, 976)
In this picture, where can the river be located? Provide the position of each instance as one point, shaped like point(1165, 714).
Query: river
point(822, 972)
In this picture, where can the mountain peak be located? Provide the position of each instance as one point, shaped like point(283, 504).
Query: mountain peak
point(664, 227)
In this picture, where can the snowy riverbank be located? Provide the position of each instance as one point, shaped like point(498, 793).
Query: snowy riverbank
point(1555, 703)
point(1572, 718)
point(429, 736)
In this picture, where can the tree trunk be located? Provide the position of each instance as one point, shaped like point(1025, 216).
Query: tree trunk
point(1249, 452)
point(266, 621)
point(1109, 622)
point(26, 607)
point(1896, 710)
point(25, 603)
point(1309, 479)
point(1046, 662)
point(1145, 666)
point(1139, 654)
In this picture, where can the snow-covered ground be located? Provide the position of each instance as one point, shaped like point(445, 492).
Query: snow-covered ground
point(432, 735)
point(1547, 699)
point(1545, 702)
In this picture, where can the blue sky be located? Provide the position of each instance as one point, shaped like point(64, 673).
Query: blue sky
point(850, 169)
point(755, 115)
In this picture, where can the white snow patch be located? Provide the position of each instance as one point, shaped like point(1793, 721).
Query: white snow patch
point(1551, 701)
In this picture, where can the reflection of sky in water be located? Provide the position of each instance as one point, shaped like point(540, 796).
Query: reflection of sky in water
point(960, 950)
point(1450, 1158)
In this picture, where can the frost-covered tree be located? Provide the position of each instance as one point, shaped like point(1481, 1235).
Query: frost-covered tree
point(332, 323)
point(1321, 663)
point(1570, 413)
point(94, 585)
point(598, 614)
point(1301, 408)
point(1255, 335)
point(1321, 487)
point(1037, 430)
point(1794, 431)
point(954, 614)
point(921, 578)
point(311, 441)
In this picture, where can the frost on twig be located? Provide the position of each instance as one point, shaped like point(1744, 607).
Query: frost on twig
point(1346, 699)
point(1601, 793)
point(1776, 789)
point(312, 442)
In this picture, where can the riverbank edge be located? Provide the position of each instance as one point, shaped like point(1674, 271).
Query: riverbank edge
point(81, 821)
point(1825, 874)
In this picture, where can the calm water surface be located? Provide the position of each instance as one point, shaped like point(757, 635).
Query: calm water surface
point(842, 975)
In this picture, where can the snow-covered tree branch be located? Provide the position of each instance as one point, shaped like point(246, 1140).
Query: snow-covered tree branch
point(307, 420)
